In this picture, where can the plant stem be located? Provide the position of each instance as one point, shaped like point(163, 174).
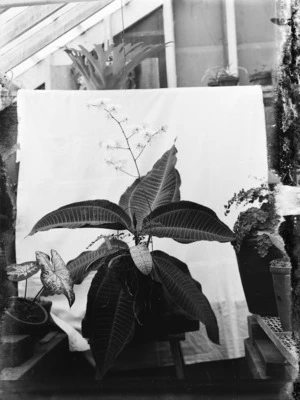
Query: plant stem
point(38, 295)
point(140, 153)
point(127, 141)
point(148, 241)
point(25, 292)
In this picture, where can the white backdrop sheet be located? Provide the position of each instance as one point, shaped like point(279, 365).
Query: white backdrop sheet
point(221, 140)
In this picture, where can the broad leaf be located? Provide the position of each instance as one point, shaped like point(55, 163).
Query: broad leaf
point(142, 258)
point(20, 272)
point(159, 187)
point(186, 222)
point(55, 276)
point(183, 290)
point(89, 261)
point(124, 201)
point(85, 214)
point(109, 320)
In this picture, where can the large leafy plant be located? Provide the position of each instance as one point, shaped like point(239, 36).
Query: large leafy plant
point(132, 282)
point(109, 69)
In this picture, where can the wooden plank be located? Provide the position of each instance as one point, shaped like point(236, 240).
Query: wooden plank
point(273, 360)
point(14, 350)
point(18, 3)
point(49, 33)
point(44, 358)
point(25, 20)
point(254, 361)
point(254, 329)
point(269, 352)
point(279, 341)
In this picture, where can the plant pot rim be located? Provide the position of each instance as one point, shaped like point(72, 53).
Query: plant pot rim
point(28, 322)
point(281, 270)
point(260, 74)
point(228, 78)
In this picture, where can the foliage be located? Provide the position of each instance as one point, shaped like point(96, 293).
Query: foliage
point(109, 69)
point(288, 100)
point(121, 291)
point(55, 276)
point(260, 221)
point(7, 88)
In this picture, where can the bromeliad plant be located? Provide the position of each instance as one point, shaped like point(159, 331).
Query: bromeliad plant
point(109, 69)
point(133, 283)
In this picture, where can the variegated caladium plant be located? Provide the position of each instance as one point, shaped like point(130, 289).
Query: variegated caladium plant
point(132, 283)
point(55, 276)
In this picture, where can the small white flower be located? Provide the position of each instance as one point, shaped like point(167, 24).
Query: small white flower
point(163, 128)
point(124, 120)
point(140, 146)
point(100, 103)
point(137, 129)
point(112, 109)
point(150, 132)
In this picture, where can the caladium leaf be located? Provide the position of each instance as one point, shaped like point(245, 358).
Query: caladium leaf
point(55, 276)
point(183, 290)
point(159, 187)
point(89, 261)
point(109, 320)
point(20, 272)
point(142, 258)
point(186, 222)
point(85, 214)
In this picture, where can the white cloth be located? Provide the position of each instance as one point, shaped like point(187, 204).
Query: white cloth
point(221, 143)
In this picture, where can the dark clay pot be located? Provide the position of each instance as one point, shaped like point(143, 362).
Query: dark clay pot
point(256, 277)
point(263, 78)
point(228, 81)
point(24, 318)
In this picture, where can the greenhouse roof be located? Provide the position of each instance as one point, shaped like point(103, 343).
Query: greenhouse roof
point(32, 29)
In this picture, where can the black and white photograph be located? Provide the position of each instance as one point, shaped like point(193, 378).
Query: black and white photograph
point(149, 199)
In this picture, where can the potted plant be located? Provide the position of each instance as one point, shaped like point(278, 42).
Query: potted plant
point(110, 69)
point(260, 249)
point(219, 76)
point(261, 77)
point(8, 91)
point(134, 281)
point(32, 316)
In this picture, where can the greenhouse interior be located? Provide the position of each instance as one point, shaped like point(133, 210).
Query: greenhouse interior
point(149, 245)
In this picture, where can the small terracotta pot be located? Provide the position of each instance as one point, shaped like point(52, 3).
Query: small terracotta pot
point(14, 324)
point(283, 292)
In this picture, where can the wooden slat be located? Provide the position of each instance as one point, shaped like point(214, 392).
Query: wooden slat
point(10, 13)
point(49, 33)
point(45, 357)
point(290, 356)
point(255, 363)
point(35, 30)
point(18, 3)
point(25, 20)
